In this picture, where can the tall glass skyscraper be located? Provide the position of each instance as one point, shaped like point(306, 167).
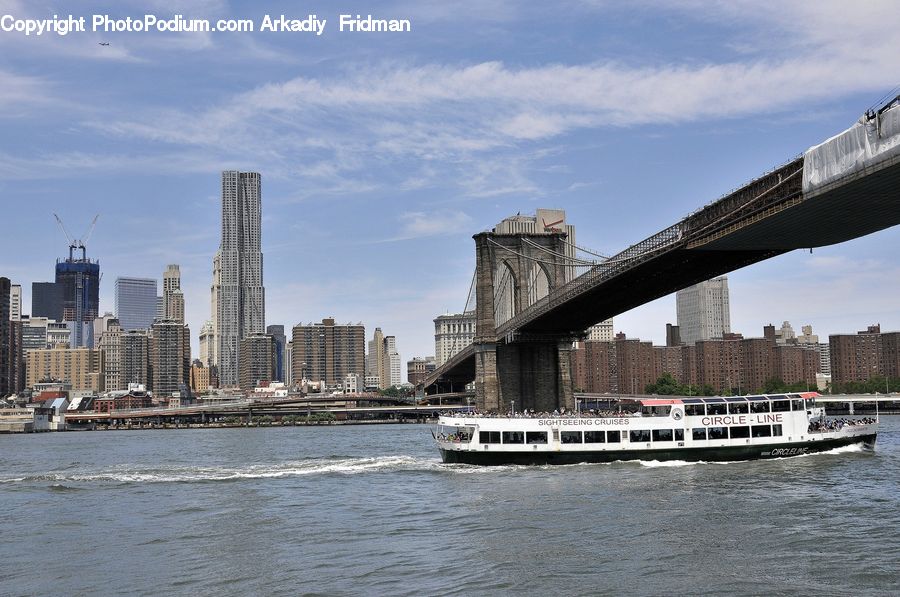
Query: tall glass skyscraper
point(135, 303)
point(240, 295)
point(79, 283)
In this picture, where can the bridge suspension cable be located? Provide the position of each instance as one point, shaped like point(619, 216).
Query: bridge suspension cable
point(531, 243)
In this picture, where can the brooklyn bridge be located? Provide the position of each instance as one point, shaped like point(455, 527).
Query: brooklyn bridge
point(534, 296)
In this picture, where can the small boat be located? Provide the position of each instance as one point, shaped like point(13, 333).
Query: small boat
point(690, 429)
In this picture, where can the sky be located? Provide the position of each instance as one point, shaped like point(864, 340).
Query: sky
point(381, 154)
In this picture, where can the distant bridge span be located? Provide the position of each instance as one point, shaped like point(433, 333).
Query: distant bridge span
point(767, 217)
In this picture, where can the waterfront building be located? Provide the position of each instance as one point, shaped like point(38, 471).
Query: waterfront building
point(240, 299)
point(703, 311)
point(79, 280)
point(277, 333)
point(328, 352)
point(258, 361)
point(15, 302)
point(136, 302)
point(170, 356)
point(452, 333)
point(135, 354)
point(136, 396)
point(731, 364)
point(81, 367)
point(46, 300)
point(864, 355)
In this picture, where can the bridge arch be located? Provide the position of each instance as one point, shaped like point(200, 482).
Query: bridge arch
point(505, 292)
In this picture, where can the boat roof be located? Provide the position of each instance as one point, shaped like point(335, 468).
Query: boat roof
point(713, 399)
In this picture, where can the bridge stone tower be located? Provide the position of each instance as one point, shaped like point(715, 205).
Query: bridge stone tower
point(524, 370)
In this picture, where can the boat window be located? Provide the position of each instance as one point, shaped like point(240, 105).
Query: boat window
point(613, 437)
point(679, 435)
point(699, 434)
point(718, 432)
point(716, 408)
point(761, 431)
point(737, 408)
point(662, 435)
point(570, 437)
point(759, 407)
point(489, 437)
point(595, 437)
point(513, 437)
point(740, 432)
point(640, 435)
point(536, 437)
point(781, 406)
point(776, 430)
point(797, 405)
point(694, 410)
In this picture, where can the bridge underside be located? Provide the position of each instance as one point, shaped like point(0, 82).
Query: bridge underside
point(868, 203)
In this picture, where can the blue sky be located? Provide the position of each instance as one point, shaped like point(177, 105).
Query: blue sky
point(381, 154)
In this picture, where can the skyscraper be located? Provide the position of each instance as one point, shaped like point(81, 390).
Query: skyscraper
point(240, 299)
point(46, 300)
point(277, 333)
point(5, 385)
point(173, 299)
point(170, 356)
point(79, 279)
point(703, 311)
point(135, 303)
point(15, 302)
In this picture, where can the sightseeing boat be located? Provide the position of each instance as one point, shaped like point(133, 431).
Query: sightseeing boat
point(690, 429)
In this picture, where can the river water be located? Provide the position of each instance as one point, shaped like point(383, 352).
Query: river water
point(371, 510)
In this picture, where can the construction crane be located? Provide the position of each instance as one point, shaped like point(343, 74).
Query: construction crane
point(74, 243)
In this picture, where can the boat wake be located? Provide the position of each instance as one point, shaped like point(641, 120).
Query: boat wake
point(124, 474)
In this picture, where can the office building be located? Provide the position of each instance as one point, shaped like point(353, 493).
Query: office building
point(391, 372)
point(170, 357)
point(109, 340)
point(452, 333)
point(199, 377)
point(601, 332)
point(703, 311)
point(46, 300)
point(79, 279)
point(5, 385)
point(15, 302)
point(173, 298)
point(240, 299)
point(135, 368)
point(277, 333)
point(418, 368)
point(325, 352)
point(81, 367)
point(375, 358)
point(136, 302)
point(258, 361)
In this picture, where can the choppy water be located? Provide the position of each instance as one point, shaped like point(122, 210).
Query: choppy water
point(371, 510)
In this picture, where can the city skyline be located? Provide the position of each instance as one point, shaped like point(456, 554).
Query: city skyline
point(391, 193)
